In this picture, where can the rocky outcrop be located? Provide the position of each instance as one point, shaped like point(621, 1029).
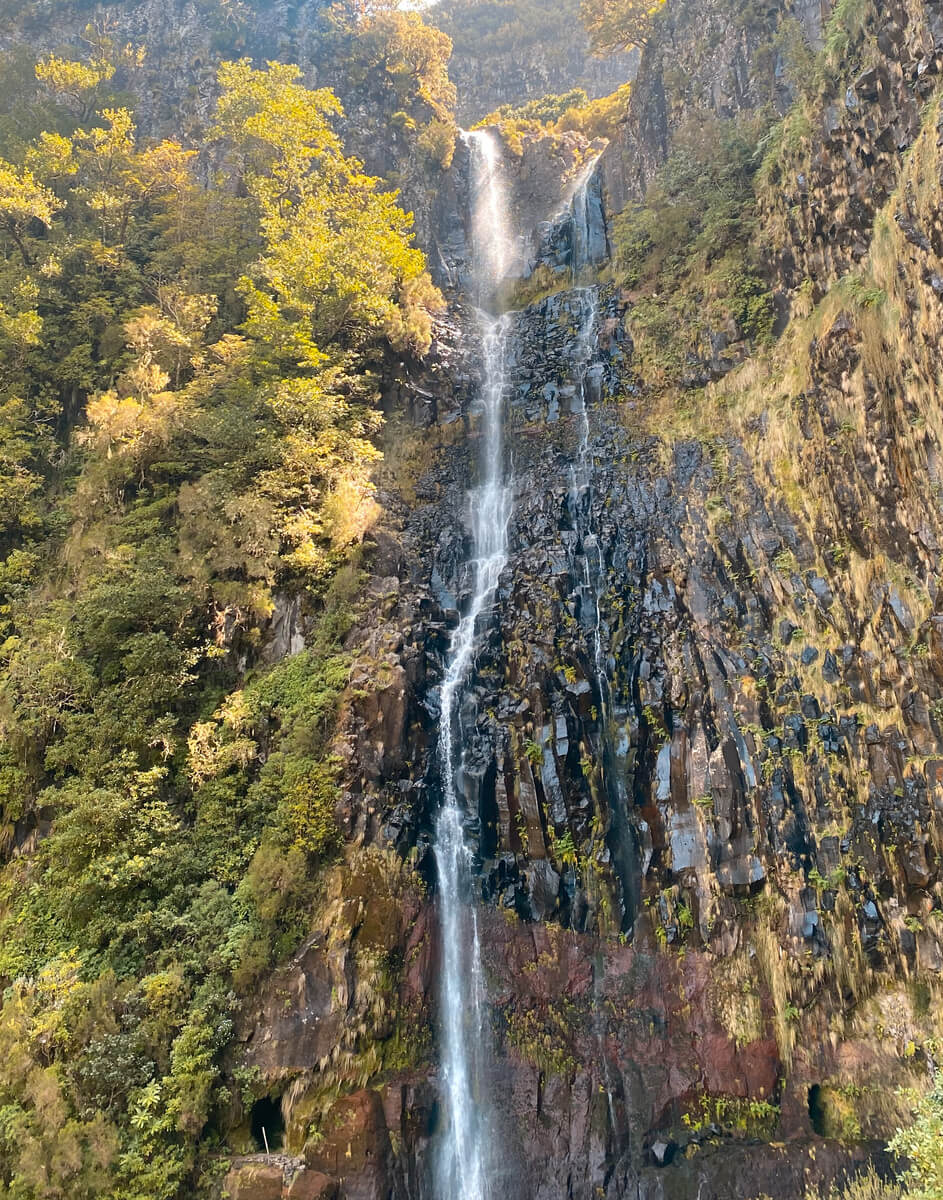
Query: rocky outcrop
point(508, 54)
point(832, 182)
point(716, 58)
point(702, 767)
point(274, 1177)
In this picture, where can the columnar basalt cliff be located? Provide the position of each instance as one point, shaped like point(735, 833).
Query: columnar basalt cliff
point(710, 871)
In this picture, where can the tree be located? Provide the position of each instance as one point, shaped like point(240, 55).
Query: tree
point(119, 179)
point(619, 24)
point(920, 1145)
point(24, 202)
point(337, 267)
point(188, 380)
point(413, 54)
point(74, 83)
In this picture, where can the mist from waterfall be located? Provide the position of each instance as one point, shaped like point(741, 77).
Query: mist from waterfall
point(465, 1161)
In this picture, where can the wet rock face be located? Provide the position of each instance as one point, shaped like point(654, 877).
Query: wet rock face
point(554, 191)
point(672, 758)
point(697, 784)
point(702, 767)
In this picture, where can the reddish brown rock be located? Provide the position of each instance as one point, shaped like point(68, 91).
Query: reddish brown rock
point(356, 1147)
point(254, 1181)
point(311, 1185)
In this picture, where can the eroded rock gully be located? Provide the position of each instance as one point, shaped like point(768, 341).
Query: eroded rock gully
point(704, 770)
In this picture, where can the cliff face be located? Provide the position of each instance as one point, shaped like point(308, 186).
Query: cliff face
point(702, 765)
point(717, 59)
point(517, 75)
point(512, 51)
point(703, 770)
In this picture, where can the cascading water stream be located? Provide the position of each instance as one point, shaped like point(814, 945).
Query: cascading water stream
point(464, 1166)
point(594, 575)
point(588, 244)
point(580, 488)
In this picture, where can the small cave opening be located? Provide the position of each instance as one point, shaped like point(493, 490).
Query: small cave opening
point(817, 1110)
point(267, 1125)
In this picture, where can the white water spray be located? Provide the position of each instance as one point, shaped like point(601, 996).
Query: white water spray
point(580, 485)
point(464, 1165)
point(588, 245)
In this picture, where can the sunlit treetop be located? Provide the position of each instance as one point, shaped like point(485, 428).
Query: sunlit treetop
point(619, 24)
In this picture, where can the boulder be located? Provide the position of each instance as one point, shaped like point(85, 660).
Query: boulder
point(254, 1181)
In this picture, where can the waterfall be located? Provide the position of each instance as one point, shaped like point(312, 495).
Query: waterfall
point(589, 244)
point(465, 1164)
point(580, 488)
point(594, 578)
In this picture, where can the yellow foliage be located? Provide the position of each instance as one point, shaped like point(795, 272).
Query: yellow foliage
point(209, 756)
point(23, 199)
point(72, 78)
point(618, 24)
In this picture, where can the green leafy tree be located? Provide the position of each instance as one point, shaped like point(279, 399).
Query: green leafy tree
point(337, 266)
point(188, 375)
point(619, 24)
point(920, 1144)
point(415, 56)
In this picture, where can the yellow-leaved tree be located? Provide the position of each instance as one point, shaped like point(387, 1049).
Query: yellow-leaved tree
point(338, 269)
point(619, 24)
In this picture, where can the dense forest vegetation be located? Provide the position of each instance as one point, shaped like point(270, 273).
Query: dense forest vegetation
point(189, 342)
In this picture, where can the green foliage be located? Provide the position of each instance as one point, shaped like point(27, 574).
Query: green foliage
point(815, 78)
point(412, 54)
point(187, 401)
point(564, 849)
point(844, 28)
point(687, 251)
point(395, 65)
point(437, 143)
point(861, 292)
point(920, 1144)
point(546, 110)
point(559, 114)
point(618, 24)
point(597, 118)
point(534, 752)
point(746, 1116)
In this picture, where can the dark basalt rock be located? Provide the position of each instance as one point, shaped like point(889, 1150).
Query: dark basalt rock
point(692, 726)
